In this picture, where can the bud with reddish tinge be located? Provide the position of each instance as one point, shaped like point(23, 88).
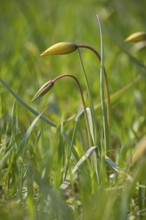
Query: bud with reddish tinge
point(60, 49)
point(43, 90)
point(136, 37)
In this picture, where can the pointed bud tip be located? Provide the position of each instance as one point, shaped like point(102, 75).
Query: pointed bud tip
point(42, 54)
point(33, 99)
point(43, 90)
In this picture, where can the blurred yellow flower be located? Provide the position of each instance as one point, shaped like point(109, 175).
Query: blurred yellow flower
point(136, 37)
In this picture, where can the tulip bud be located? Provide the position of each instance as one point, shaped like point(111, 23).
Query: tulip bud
point(139, 36)
point(43, 90)
point(60, 49)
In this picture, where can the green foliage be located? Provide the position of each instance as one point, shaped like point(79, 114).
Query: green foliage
point(43, 170)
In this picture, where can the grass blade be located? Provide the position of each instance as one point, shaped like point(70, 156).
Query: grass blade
point(104, 111)
point(51, 123)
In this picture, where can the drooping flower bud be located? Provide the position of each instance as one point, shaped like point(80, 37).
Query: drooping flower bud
point(136, 37)
point(43, 90)
point(60, 49)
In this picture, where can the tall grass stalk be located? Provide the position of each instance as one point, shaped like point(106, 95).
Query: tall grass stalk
point(95, 136)
point(70, 150)
point(90, 97)
point(105, 78)
point(103, 105)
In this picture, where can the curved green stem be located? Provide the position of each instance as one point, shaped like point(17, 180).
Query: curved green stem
point(105, 77)
point(83, 101)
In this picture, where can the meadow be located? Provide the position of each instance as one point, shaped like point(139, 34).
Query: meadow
point(79, 151)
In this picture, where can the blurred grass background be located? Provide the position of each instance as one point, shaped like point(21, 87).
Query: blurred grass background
point(26, 29)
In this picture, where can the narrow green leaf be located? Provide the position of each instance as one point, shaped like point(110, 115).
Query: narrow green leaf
point(90, 123)
point(83, 159)
point(51, 123)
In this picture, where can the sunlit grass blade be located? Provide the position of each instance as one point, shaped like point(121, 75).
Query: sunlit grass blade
point(88, 154)
point(79, 115)
point(89, 95)
point(9, 156)
point(105, 78)
point(90, 123)
point(115, 97)
point(95, 155)
point(112, 164)
point(26, 137)
point(71, 148)
point(103, 105)
point(6, 156)
point(29, 130)
point(83, 159)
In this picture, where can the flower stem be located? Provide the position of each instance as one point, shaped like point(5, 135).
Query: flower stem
point(83, 102)
point(106, 112)
point(105, 77)
point(90, 99)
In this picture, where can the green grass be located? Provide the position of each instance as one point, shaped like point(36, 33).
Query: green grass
point(43, 174)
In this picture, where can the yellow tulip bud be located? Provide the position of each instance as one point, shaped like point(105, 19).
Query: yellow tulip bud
point(139, 36)
point(43, 90)
point(60, 49)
